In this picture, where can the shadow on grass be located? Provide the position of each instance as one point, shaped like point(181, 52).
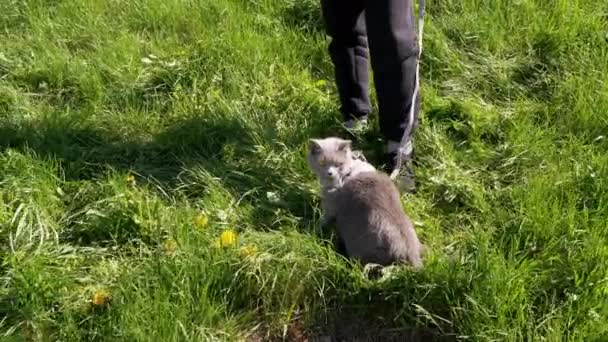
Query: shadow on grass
point(224, 147)
point(399, 309)
point(377, 327)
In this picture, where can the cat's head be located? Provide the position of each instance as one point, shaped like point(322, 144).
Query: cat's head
point(330, 159)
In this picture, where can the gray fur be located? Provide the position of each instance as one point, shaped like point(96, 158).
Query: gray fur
point(372, 223)
point(334, 161)
point(365, 205)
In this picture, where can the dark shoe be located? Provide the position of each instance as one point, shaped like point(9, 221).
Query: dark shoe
point(401, 170)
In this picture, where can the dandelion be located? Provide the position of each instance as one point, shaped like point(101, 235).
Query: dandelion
point(131, 180)
point(101, 297)
point(248, 250)
point(201, 221)
point(227, 238)
point(170, 246)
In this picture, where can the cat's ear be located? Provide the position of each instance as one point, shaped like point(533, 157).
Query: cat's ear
point(345, 145)
point(314, 147)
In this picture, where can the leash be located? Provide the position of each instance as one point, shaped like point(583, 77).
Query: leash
point(405, 139)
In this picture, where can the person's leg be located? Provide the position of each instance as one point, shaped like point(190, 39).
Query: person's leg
point(345, 24)
point(394, 52)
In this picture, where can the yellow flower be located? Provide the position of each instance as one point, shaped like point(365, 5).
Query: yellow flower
point(170, 246)
point(248, 250)
point(131, 180)
point(201, 221)
point(227, 238)
point(101, 297)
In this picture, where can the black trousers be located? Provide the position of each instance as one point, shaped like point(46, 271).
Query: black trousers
point(384, 30)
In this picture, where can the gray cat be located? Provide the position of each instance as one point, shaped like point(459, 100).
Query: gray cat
point(372, 225)
point(334, 161)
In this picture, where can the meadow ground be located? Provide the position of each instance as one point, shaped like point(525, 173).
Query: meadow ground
point(154, 185)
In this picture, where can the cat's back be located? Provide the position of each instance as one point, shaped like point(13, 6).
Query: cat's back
point(372, 223)
point(372, 188)
point(370, 198)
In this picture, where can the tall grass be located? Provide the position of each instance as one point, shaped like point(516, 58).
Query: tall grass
point(133, 134)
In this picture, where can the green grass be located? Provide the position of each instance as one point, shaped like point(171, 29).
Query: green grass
point(210, 105)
